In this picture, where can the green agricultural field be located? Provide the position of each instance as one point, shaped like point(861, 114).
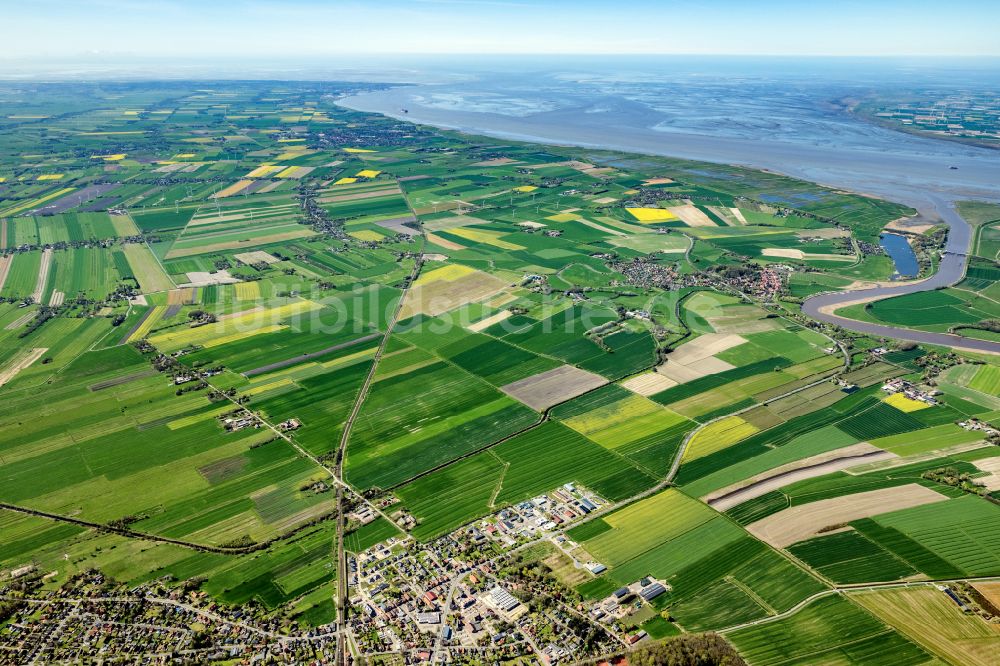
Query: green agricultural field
point(233, 310)
point(956, 635)
point(963, 531)
point(831, 630)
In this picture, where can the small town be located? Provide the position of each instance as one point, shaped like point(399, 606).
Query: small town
point(477, 595)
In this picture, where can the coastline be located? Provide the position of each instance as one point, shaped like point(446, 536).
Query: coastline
point(930, 204)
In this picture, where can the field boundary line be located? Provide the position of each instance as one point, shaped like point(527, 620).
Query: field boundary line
point(133, 534)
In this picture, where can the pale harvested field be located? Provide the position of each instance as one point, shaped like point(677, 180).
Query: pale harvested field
point(444, 242)
point(256, 257)
point(43, 275)
point(738, 214)
point(204, 279)
point(681, 373)
point(990, 590)
point(797, 523)
point(704, 346)
point(691, 216)
point(807, 468)
point(483, 324)
point(57, 298)
point(184, 296)
point(400, 225)
point(21, 361)
point(783, 252)
point(20, 321)
point(499, 161)
point(3, 236)
point(696, 358)
point(991, 465)
point(962, 638)
point(5, 263)
point(549, 388)
point(658, 181)
point(532, 225)
point(648, 384)
point(439, 296)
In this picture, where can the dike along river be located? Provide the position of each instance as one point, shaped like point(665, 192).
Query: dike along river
point(768, 125)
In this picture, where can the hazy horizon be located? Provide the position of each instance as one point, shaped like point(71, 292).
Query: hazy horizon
point(47, 30)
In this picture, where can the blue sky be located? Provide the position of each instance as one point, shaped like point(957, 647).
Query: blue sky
point(294, 28)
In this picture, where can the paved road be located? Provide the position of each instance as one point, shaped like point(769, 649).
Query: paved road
point(951, 269)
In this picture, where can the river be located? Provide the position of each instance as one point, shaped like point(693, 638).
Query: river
point(764, 118)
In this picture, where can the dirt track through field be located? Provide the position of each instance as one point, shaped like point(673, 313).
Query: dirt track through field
point(43, 276)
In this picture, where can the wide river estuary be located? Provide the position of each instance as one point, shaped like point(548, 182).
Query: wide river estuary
point(786, 123)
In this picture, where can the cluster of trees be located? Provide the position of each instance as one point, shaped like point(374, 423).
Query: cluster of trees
point(687, 650)
point(952, 477)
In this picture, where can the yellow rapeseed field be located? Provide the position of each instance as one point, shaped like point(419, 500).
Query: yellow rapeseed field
point(904, 404)
point(346, 181)
point(265, 170)
point(647, 215)
point(290, 172)
point(366, 235)
point(235, 188)
point(367, 173)
point(450, 272)
point(247, 291)
point(718, 435)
